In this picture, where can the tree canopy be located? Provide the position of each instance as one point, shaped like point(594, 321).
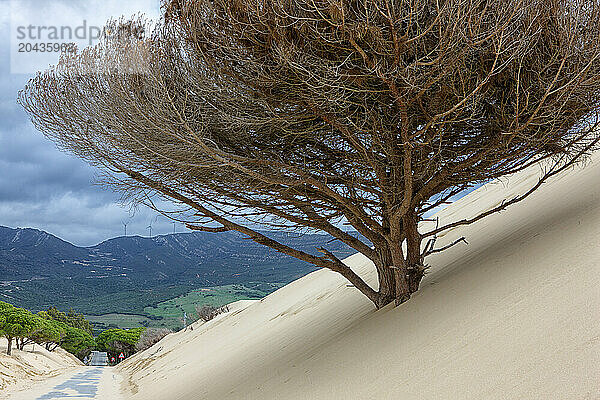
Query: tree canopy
point(71, 318)
point(18, 324)
point(115, 341)
point(25, 327)
point(48, 332)
point(309, 115)
point(78, 342)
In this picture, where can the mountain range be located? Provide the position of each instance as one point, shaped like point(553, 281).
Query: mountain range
point(127, 273)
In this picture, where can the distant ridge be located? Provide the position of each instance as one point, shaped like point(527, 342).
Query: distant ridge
point(39, 269)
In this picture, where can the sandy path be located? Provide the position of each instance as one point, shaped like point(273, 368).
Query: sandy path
point(82, 383)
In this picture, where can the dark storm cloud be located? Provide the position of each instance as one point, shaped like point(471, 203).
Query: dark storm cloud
point(44, 188)
point(32, 169)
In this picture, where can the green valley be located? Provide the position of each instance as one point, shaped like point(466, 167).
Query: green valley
point(169, 313)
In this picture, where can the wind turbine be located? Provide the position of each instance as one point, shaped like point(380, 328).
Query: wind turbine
point(125, 226)
point(150, 227)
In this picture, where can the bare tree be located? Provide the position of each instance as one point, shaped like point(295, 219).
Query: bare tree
point(208, 312)
point(150, 337)
point(311, 114)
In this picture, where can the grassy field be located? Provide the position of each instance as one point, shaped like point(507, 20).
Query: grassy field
point(124, 321)
point(169, 314)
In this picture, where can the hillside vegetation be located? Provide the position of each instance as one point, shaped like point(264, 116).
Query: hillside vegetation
point(50, 328)
point(127, 274)
point(169, 314)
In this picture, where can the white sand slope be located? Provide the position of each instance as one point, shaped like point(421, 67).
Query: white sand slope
point(25, 368)
point(513, 315)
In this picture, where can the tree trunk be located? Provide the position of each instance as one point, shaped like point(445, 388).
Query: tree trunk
point(407, 267)
point(402, 293)
point(387, 281)
point(51, 346)
point(25, 342)
point(414, 260)
point(399, 273)
point(402, 287)
point(414, 278)
point(9, 348)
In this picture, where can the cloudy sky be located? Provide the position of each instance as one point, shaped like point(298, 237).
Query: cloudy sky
point(40, 186)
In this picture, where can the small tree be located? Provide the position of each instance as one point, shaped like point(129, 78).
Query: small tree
point(77, 342)
point(311, 114)
point(117, 341)
point(208, 312)
point(18, 324)
point(52, 332)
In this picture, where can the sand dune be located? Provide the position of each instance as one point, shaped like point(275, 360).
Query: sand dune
point(25, 368)
point(513, 315)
